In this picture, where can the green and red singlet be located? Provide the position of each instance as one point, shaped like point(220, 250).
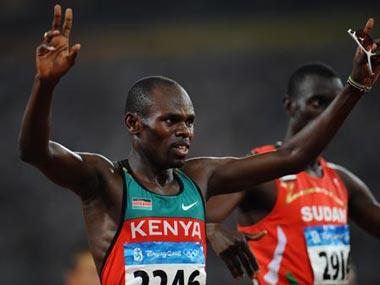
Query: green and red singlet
point(161, 239)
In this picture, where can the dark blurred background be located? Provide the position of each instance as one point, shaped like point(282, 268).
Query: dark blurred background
point(233, 58)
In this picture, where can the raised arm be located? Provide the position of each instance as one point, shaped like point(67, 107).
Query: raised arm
point(239, 174)
point(54, 57)
point(363, 208)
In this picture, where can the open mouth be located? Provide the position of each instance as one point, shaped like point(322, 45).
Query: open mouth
point(181, 149)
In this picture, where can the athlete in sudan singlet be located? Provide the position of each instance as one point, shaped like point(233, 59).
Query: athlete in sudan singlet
point(305, 215)
point(308, 236)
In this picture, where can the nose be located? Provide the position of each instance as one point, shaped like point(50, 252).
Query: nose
point(183, 130)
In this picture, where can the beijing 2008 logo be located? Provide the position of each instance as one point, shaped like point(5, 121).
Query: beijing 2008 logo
point(137, 254)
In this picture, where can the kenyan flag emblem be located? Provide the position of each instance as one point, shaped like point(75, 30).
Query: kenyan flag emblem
point(141, 204)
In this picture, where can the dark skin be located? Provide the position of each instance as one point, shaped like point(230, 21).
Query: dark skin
point(315, 94)
point(160, 142)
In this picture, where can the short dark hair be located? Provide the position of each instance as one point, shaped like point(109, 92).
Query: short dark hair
point(313, 68)
point(138, 96)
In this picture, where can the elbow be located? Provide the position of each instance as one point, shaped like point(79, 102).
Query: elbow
point(23, 152)
point(28, 154)
point(31, 157)
point(25, 155)
point(26, 158)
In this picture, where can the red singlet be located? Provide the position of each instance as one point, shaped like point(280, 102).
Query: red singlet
point(308, 236)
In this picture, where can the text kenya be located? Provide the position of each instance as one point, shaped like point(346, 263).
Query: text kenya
point(163, 227)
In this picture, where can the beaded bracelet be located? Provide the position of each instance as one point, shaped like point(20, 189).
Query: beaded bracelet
point(361, 87)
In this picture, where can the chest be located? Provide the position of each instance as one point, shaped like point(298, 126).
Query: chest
point(141, 203)
point(312, 200)
point(163, 237)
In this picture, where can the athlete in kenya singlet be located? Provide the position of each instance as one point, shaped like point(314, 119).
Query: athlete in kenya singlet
point(308, 239)
point(161, 239)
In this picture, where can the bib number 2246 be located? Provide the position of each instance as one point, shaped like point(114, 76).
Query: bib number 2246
point(162, 277)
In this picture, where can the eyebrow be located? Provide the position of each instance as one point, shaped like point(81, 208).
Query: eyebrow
point(178, 115)
point(322, 95)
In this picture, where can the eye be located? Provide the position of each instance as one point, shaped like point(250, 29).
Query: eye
point(169, 121)
point(316, 103)
point(190, 123)
point(319, 103)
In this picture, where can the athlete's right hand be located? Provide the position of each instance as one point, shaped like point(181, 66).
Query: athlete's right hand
point(233, 249)
point(54, 57)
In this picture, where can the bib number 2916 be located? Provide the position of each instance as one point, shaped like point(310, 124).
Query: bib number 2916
point(336, 265)
point(328, 248)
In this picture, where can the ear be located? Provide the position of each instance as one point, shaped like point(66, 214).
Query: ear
point(289, 105)
point(133, 122)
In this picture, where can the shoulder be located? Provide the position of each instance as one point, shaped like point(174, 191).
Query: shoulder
point(205, 165)
point(105, 172)
point(98, 161)
point(343, 172)
point(351, 181)
point(200, 169)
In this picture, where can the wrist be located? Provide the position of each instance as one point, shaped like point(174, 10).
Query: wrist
point(361, 77)
point(358, 85)
point(45, 82)
point(212, 229)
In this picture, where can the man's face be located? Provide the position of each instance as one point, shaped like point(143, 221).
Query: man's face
point(168, 127)
point(315, 94)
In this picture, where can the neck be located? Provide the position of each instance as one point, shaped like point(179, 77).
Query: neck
point(148, 172)
point(313, 167)
point(289, 133)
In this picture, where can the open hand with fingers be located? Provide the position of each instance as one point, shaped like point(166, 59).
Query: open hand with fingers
point(232, 247)
point(54, 56)
point(366, 63)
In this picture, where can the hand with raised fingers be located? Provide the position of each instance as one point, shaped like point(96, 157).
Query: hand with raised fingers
point(232, 247)
point(54, 56)
point(366, 64)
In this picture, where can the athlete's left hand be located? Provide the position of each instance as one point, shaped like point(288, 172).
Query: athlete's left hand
point(232, 247)
point(360, 70)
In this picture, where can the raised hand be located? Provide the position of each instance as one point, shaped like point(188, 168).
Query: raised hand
point(233, 249)
point(54, 56)
point(361, 72)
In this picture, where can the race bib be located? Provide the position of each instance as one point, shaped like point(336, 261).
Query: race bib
point(164, 263)
point(328, 247)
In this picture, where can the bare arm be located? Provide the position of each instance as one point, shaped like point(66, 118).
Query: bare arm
point(219, 207)
point(364, 209)
point(239, 174)
point(54, 58)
